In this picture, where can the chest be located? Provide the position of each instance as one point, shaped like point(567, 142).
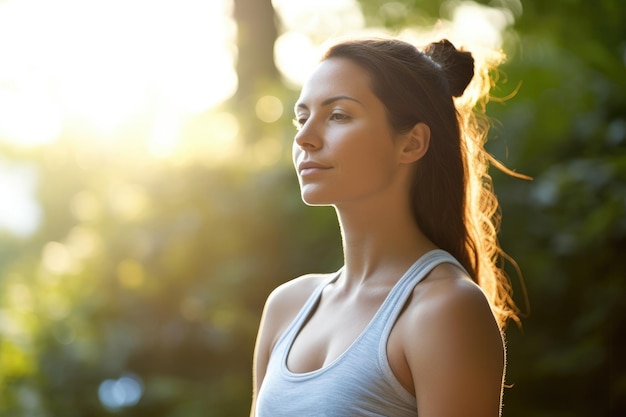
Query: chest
point(331, 328)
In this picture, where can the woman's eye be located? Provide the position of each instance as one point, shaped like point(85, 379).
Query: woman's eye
point(338, 117)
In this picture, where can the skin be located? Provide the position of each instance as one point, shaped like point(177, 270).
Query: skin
point(359, 166)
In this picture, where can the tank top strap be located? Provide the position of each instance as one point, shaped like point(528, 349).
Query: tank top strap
point(394, 304)
point(403, 289)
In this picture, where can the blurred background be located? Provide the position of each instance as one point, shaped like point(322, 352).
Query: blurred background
point(148, 204)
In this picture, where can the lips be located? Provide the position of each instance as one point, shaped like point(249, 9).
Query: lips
point(311, 167)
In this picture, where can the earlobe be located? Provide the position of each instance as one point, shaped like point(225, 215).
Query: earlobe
point(415, 143)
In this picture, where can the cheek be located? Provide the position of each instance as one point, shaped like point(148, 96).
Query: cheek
point(373, 145)
point(372, 157)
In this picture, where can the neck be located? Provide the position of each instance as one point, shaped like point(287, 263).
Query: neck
point(380, 241)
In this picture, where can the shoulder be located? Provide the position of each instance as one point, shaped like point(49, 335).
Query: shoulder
point(456, 351)
point(450, 293)
point(448, 305)
point(284, 303)
point(294, 293)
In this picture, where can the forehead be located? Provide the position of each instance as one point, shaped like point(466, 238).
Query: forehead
point(335, 77)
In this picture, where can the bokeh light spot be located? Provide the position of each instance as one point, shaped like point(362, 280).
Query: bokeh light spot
point(478, 25)
point(295, 57)
point(269, 109)
point(119, 393)
point(56, 258)
point(128, 201)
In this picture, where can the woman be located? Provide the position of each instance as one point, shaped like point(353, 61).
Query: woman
point(411, 324)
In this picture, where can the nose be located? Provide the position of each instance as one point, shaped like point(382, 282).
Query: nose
point(307, 137)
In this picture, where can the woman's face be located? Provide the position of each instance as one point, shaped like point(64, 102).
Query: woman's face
point(344, 151)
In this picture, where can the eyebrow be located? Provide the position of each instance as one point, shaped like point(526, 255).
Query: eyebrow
point(328, 101)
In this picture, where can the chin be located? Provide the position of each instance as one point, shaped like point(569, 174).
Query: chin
point(315, 199)
point(315, 202)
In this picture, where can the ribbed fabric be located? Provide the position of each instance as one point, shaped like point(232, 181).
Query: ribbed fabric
point(360, 381)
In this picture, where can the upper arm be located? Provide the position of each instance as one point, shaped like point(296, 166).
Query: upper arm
point(457, 360)
point(266, 336)
point(280, 308)
point(261, 351)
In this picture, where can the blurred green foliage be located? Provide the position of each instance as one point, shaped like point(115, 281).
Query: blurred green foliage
point(154, 275)
point(566, 127)
point(150, 271)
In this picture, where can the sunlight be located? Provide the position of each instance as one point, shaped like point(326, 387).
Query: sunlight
point(215, 136)
point(102, 64)
point(308, 25)
point(475, 24)
point(165, 134)
point(311, 26)
point(295, 56)
point(322, 18)
point(20, 212)
point(127, 201)
point(29, 118)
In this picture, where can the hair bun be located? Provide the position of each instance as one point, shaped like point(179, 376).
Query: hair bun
point(457, 65)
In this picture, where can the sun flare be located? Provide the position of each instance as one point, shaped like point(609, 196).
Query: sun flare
point(105, 64)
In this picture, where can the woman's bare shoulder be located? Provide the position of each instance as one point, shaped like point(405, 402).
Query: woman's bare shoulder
point(450, 296)
point(296, 291)
point(287, 299)
point(456, 337)
point(446, 278)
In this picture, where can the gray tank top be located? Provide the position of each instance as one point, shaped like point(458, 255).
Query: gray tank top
point(360, 381)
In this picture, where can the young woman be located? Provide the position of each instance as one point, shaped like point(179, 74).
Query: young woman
point(411, 324)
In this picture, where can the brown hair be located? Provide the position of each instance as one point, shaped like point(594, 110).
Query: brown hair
point(452, 197)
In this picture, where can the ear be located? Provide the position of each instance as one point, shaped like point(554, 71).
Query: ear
point(414, 144)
